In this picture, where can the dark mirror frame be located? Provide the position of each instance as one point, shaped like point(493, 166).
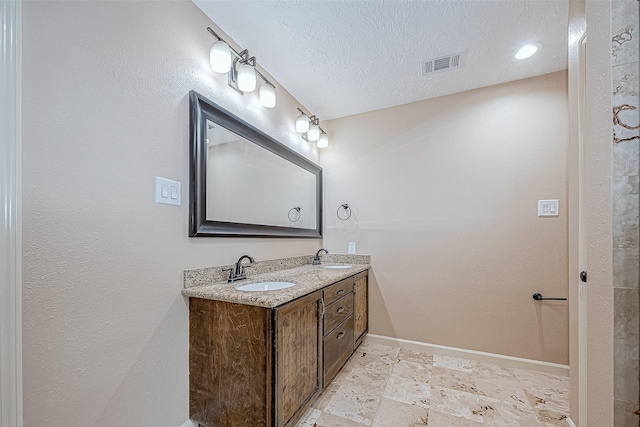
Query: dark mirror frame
point(202, 109)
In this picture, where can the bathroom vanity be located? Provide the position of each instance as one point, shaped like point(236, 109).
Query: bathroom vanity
point(261, 358)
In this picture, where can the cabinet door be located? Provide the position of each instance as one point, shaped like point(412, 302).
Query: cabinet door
point(361, 306)
point(230, 371)
point(298, 354)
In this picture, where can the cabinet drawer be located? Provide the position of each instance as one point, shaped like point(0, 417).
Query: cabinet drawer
point(338, 346)
point(337, 290)
point(336, 312)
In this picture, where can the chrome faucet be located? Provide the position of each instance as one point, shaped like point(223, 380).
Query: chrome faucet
point(238, 273)
point(316, 260)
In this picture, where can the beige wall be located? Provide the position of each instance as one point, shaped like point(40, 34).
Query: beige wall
point(445, 193)
point(105, 110)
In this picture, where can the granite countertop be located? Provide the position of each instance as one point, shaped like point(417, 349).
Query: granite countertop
point(307, 279)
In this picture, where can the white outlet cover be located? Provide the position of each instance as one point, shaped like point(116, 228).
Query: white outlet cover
point(167, 191)
point(352, 248)
point(548, 207)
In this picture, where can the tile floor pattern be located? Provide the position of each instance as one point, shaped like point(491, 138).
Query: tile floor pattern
point(385, 386)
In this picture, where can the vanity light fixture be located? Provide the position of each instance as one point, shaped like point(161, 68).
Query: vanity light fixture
point(241, 69)
point(246, 77)
point(527, 50)
point(323, 141)
point(220, 57)
point(314, 133)
point(267, 95)
point(302, 123)
point(309, 129)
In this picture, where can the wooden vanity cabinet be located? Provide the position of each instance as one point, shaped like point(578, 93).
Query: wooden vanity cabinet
point(261, 367)
point(252, 366)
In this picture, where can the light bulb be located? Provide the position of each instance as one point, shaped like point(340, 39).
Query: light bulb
point(220, 57)
point(302, 124)
point(267, 95)
point(246, 78)
point(313, 134)
point(323, 141)
point(527, 50)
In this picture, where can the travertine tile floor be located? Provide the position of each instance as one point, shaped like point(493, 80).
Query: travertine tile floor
point(385, 386)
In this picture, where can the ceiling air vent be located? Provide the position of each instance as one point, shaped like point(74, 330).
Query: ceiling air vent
point(442, 63)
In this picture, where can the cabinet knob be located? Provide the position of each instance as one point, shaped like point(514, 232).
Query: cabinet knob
point(340, 292)
point(340, 335)
point(340, 310)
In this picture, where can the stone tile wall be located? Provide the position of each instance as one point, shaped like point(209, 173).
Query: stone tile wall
point(626, 263)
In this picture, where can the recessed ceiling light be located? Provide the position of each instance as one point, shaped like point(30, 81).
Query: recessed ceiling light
point(527, 50)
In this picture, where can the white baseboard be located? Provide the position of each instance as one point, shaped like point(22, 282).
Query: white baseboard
point(189, 423)
point(570, 423)
point(498, 359)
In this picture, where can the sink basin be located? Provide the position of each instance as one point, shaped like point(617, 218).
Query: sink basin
point(337, 266)
point(265, 286)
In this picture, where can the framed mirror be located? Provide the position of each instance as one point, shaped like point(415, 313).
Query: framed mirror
point(244, 183)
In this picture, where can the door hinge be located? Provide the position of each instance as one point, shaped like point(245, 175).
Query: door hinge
point(583, 276)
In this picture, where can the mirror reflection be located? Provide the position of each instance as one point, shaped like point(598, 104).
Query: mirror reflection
point(244, 183)
point(249, 184)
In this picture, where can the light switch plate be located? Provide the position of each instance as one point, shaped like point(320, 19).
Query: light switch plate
point(352, 248)
point(167, 191)
point(548, 208)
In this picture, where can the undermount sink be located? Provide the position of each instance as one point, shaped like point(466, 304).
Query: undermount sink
point(337, 266)
point(265, 286)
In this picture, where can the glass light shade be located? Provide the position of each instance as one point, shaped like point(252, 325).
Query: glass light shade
point(323, 141)
point(220, 57)
point(302, 124)
point(313, 134)
point(267, 96)
point(246, 78)
point(526, 51)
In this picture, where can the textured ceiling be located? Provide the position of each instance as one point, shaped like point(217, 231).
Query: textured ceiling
point(346, 57)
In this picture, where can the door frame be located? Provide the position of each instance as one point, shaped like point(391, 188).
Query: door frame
point(576, 210)
point(582, 235)
point(597, 142)
point(11, 229)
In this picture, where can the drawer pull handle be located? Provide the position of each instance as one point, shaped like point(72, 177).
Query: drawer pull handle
point(340, 335)
point(340, 292)
point(340, 310)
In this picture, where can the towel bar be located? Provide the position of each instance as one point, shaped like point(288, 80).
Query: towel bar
point(538, 297)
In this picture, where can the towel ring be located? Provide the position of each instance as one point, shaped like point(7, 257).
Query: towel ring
point(347, 209)
point(296, 214)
